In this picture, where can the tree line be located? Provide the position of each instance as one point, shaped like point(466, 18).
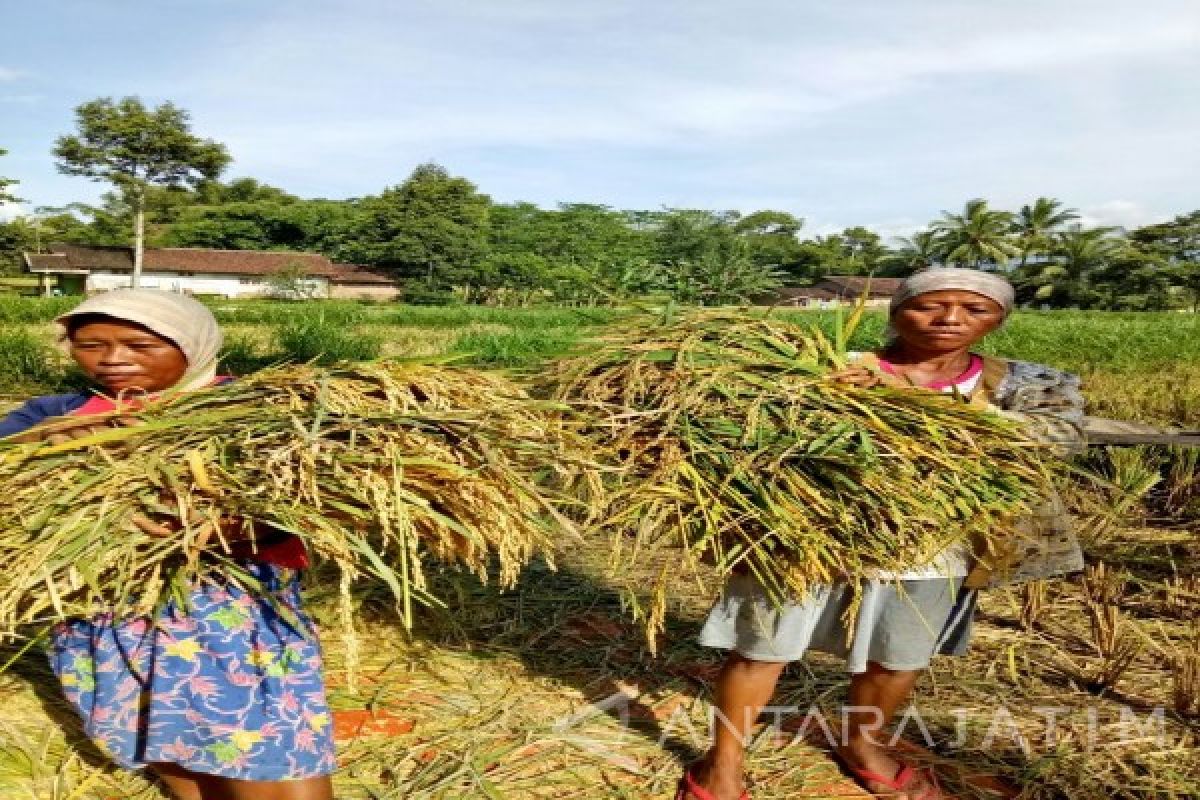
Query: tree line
point(444, 239)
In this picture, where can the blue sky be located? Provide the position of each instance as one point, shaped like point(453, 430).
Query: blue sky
point(875, 112)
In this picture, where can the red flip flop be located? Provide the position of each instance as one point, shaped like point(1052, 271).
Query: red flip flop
point(899, 783)
point(688, 786)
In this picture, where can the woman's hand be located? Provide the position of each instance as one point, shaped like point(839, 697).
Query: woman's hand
point(65, 429)
point(858, 376)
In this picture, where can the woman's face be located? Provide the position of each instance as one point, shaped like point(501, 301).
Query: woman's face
point(946, 320)
point(123, 356)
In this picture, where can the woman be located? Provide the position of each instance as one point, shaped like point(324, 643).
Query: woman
point(225, 700)
point(937, 316)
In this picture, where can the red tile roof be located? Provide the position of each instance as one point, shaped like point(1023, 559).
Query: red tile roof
point(198, 261)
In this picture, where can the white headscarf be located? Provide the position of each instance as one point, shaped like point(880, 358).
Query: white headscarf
point(938, 279)
point(176, 317)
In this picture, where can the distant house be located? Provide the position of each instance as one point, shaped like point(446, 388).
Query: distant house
point(835, 290)
point(85, 269)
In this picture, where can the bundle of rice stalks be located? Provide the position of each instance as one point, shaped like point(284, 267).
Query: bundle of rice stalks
point(376, 467)
point(740, 449)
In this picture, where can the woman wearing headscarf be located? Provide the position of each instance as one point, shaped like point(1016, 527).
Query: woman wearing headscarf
point(224, 697)
point(936, 318)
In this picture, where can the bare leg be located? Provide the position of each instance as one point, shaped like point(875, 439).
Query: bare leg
point(182, 784)
point(875, 695)
point(305, 789)
point(186, 785)
point(743, 688)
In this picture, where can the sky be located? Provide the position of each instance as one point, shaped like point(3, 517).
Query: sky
point(874, 112)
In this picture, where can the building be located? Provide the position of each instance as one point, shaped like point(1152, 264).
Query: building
point(835, 290)
point(85, 269)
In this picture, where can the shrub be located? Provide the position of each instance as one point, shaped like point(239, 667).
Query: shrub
point(324, 341)
point(28, 363)
point(241, 356)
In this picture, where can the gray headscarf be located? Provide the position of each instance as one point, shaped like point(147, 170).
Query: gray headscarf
point(177, 317)
point(938, 279)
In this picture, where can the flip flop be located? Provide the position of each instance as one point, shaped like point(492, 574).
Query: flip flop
point(688, 786)
point(899, 783)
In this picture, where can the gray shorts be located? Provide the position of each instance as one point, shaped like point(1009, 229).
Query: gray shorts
point(900, 625)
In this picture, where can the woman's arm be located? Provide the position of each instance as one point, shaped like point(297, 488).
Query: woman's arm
point(37, 411)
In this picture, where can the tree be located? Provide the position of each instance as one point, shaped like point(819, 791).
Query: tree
point(6, 196)
point(977, 237)
point(433, 226)
point(686, 234)
point(772, 237)
point(1035, 226)
point(1128, 280)
point(136, 148)
point(854, 251)
point(292, 282)
point(722, 275)
point(1177, 243)
point(1076, 254)
point(913, 253)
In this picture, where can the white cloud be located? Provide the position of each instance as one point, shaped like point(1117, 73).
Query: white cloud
point(885, 110)
point(8, 75)
point(1119, 214)
point(534, 77)
point(10, 211)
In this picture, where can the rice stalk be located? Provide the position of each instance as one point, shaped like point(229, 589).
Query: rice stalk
point(1116, 646)
point(740, 450)
point(1033, 603)
point(1185, 669)
point(378, 468)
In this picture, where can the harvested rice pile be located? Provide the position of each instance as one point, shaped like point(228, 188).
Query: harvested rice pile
point(377, 467)
point(741, 450)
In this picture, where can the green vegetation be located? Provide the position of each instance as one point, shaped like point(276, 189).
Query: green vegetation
point(6, 195)
point(28, 362)
point(447, 241)
point(1100, 345)
point(134, 148)
point(314, 338)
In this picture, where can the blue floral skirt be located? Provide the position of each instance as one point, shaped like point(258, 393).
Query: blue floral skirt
point(227, 688)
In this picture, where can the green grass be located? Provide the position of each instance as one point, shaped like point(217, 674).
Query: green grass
point(15, 309)
point(324, 341)
point(518, 348)
point(28, 361)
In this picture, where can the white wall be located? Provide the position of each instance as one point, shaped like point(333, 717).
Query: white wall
point(224, 285)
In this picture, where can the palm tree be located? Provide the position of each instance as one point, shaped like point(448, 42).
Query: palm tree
point(914, 253)
point(1035, 225)
point(977, 237)
point(1076, 253)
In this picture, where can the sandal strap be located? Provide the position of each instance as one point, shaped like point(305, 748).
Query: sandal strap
point(898, 783)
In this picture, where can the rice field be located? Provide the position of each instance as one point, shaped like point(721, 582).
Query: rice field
point(547, 690)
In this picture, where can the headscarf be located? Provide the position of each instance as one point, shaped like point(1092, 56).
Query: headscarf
point(937, 279)
point(176, 317)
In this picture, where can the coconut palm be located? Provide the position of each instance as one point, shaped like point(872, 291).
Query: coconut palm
point(978, 237)
point(913, 253)
point(1035, 225)
point(1076, 254)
